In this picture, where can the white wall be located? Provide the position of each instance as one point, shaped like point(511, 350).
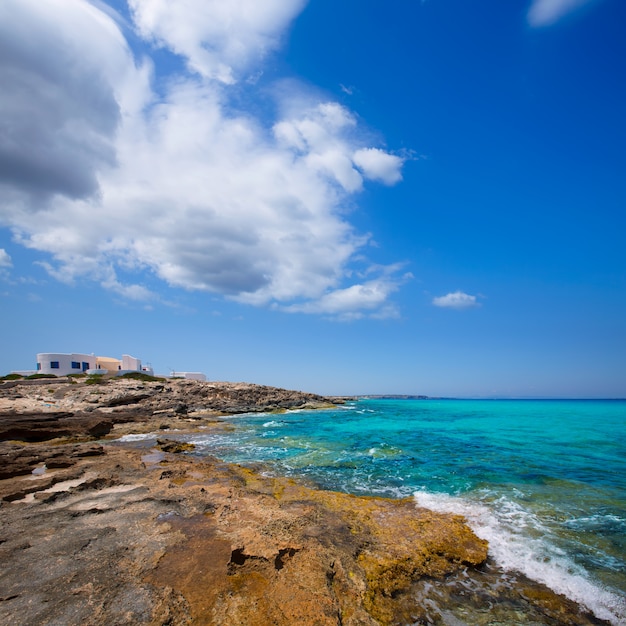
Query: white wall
point(190, 376)
point(62, 364)
point(130, 363)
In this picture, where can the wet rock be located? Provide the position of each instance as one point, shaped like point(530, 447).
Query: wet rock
point(170, 445)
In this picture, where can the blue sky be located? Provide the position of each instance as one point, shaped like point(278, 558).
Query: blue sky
point(341, 197)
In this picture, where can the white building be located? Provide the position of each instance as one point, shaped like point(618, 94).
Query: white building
point(130, 363)
point(61, 364)
point(190, 376)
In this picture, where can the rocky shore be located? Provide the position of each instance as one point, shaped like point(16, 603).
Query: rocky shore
point(95, 532)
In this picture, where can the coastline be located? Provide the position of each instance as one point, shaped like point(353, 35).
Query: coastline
point(111, 532)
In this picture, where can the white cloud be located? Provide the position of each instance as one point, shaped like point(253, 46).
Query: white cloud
point(456, 300)
point(132, 292)
point(218, 39)
point(183, 186)
point(64, 70)
point(369, 298)
point(323, 134)
point(318, 137)
point(351, 302)
point(5, 259)
point(547, 12)
point(379, 165)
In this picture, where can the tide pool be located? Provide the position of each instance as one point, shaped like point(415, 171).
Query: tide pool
point(543, 481)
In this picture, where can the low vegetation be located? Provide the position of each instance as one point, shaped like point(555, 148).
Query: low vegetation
point(142, 376)
point(95, 379)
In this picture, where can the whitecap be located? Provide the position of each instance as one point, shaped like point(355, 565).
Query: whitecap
point(272, 423)
point(137, 437)
point(598, 521)
point(518, 541)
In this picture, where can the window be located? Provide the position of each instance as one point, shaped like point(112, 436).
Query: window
point(38, 366)
point(54, 365)
point(75, 365)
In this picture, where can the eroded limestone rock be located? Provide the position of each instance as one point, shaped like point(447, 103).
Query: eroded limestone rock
point(132, 537)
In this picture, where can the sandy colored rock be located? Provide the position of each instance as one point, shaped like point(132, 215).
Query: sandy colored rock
point(201, 542)
point(130, 397)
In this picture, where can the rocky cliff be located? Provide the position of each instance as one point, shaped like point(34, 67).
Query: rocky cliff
point(146, 398)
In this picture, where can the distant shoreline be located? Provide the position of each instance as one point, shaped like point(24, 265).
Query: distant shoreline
point(478, 399)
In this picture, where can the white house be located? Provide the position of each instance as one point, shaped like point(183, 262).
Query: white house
point(130, 363)
point(61, 364)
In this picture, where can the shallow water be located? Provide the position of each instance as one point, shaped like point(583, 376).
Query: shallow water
point(543, 481)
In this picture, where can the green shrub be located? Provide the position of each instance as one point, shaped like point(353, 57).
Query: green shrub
point(141, 376)
point(35, 376)
point(95, 379)
point(12, 377)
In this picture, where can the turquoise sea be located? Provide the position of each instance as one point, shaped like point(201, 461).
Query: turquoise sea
point(544, 481)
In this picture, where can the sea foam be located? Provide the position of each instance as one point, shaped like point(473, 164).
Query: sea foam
point(137, 437)
point(518, 541)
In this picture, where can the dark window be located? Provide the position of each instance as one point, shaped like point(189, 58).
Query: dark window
point(75, 365)
point(38, 366)
point(54, 365)
point(85, 366)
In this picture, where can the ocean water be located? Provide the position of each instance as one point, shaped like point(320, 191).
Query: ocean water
point(543, 481)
